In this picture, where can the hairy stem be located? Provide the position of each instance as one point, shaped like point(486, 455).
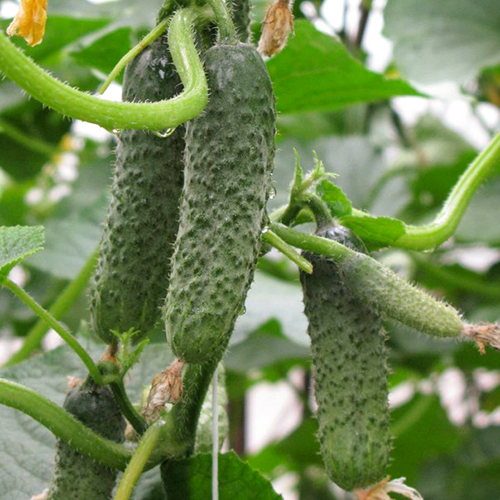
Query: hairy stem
point(118, 115)
point(432, 235)
point(274, 240)
point(138, 461)
point(57, 327)
point(223, 18)
point(63, 303)
point(127, 408)
point(63, 425)
point(36, 145)
point(134, 51)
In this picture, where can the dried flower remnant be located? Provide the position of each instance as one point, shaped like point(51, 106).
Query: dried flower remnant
point(276, 27)
point(29, 21)
point(483, 334)
point(166, 387)
point(381, 490)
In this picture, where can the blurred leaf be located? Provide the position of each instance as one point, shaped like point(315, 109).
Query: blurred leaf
point(191, 479)
point(335, 198)
point(316, 73)
point(17, 243)
point(376, 231)
point(271, 298)
point(423, 432)
point(444, 40)
point(484, 207)
point(105, 52)
point(261, 349)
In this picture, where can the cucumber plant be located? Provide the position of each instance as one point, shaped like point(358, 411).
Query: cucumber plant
point(186, 228)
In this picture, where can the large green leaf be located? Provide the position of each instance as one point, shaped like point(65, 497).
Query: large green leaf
point(191, 479)
point(316, 73)
point(17, 243)
point(445, 39)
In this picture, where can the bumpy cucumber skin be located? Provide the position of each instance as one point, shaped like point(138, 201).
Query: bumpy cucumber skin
point(349, 360)
point(131, 277)
point(383, 290)
point(77, 477)
point(242, 17)
point(228, 164)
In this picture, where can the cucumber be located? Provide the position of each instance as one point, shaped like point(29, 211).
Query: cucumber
point(382, 289)
point(228, 164)
point(131, 277)
point(77, 477)
point(242, 17)
point(349, 361)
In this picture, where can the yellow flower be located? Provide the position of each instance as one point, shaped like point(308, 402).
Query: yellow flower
point(276, 27)
point(30, 21)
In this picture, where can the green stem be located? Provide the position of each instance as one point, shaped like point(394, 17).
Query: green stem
point(63, 425)
point(127, 408)
point(147, 40)
point(312, 243)
point(432, 235)
point(55, 325)
point(138, 461)
point(36, 145)
point(223, 18)
point(118, 115)
point(274, 240)
point(65, 300)
point(319, 209)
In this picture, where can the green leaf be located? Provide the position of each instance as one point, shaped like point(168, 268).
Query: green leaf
point(445, 39)
point(17, 243)
point(191, 479)
point(316, 73)
point(335, 198)
point(376, 231)
point(105, 52)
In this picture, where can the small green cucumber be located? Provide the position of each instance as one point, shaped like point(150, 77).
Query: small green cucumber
point(350, 372)
point(131, 277)
point(77, 477)
point(383, 290)
point(228, 164)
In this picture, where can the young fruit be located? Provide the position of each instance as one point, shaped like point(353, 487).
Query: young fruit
point(380, 288)
point(77, 477)
point(228, 163)
point(131, 277)
point(349, 360)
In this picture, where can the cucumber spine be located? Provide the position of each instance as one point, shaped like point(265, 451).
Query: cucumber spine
point(131, 276)
point(228, 164)
point(350, 371)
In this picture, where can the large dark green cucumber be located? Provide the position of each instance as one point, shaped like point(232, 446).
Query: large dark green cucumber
point(131, 278)
point(228, 163)
point(77, 477)
point(349, 360)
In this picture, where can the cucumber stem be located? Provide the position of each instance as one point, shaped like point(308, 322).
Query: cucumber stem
point(224, 19)
point(274, 240)
point(444, 225)
point(134, 51)
point(57, 327)
point(138, 461)
point(118, 115)
point(135, 419)
point(63, 425)
point(65, 300)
